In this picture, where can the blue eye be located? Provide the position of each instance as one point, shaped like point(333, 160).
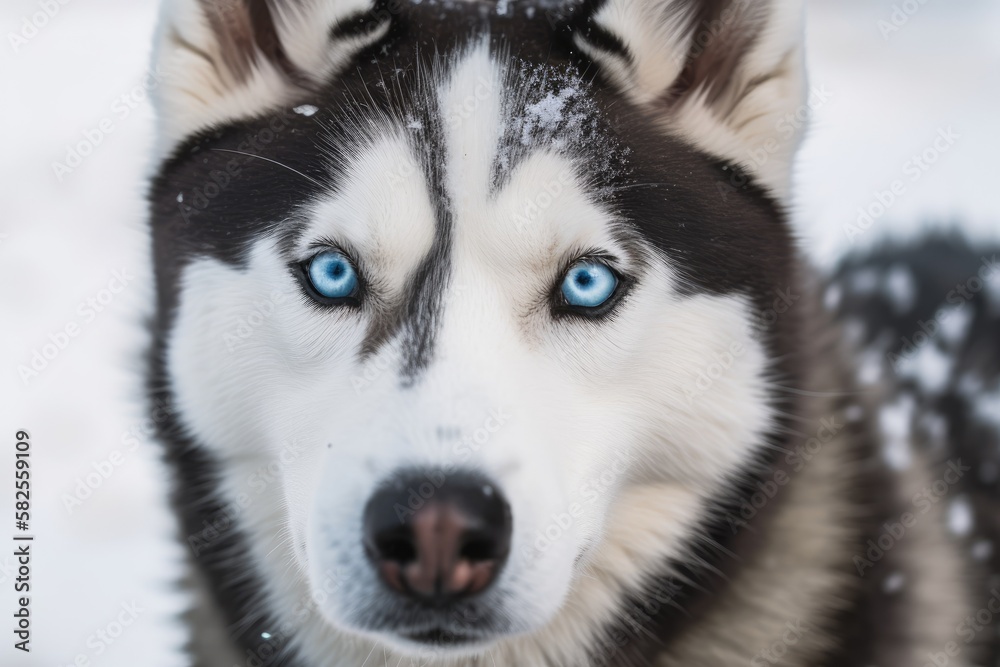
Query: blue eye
point(332, 275)
point(588, 284)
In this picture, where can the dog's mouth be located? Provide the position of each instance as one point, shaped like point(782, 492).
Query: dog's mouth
point(441, 637)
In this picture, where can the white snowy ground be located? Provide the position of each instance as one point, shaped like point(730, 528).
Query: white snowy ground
point(62, 240)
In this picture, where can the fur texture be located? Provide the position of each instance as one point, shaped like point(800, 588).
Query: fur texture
point(693, 471)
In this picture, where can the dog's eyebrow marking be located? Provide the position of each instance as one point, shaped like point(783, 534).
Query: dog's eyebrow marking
point(360, 24)
point(414, 318)
point(424, 303)
point(597, 37)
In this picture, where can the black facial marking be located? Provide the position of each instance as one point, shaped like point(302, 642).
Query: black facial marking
point(362, 23)
point(579, 21)
point(425, 298)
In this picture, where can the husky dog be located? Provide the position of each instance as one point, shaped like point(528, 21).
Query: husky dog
point(483, 340)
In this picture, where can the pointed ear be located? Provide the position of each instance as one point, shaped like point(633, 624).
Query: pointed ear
point(220, 60)
point(723, 74)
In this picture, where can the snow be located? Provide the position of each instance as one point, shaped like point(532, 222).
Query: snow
point(896, 420)
point(894, 582)
point(832, 297)
point(969, 384)
point(306, 109)
point(900, 288)
point(960, 516)
point(935, 426)
point(864, 281)
point(544, 117)
point(854, 413)
point(870, 367)
point(954, 323)
point(982, 550)
point(992, 285)
point(987, 407)
point(930, 366)
point(61, 239)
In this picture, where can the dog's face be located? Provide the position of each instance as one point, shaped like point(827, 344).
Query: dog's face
point(465, 303)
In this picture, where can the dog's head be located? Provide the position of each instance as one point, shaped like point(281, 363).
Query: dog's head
point(472, 307)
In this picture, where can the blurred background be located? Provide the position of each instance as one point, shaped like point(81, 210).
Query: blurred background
point(888, 78)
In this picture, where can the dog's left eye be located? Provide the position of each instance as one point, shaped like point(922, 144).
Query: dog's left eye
point(589, 284)
point(332, 276)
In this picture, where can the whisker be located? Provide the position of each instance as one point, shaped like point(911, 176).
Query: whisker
point(369, 654)
point(638, 185)
point(267, 159)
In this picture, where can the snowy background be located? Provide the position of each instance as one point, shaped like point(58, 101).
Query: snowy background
point(63, 237)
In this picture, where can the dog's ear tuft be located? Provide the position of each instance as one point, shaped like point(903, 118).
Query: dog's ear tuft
point(723, 74)
point(220, 60)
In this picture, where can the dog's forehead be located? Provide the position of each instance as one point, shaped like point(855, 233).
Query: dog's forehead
point(491, 151)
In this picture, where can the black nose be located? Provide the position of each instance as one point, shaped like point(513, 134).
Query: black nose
point(437, 538)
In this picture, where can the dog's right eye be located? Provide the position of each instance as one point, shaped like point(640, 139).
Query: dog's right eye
point(588, 285)
point(332, 278)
